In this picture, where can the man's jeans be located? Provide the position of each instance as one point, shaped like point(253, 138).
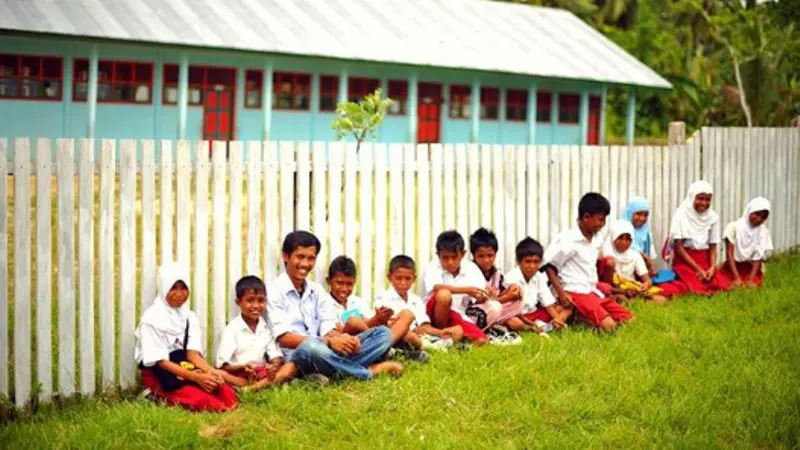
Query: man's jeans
point(313, 356)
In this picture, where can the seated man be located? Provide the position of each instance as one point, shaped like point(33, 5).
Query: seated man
point(304, 320)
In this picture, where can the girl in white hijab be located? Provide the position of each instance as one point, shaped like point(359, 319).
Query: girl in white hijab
point(631, 277)
point(169, 349)
point(747, 244)
point(695, 233)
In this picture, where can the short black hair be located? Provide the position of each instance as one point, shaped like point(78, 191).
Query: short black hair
point(482, 238)
point(300, 238)
point(344, 265)
point(249, 283)
point(450, 240)
point(402, 262)
point(529, 247)
point(593, 203)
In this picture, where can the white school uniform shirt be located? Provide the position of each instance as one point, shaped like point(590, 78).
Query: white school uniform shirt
point(629, 263)
point(469, 275)
point(310, 313)
point(535, 292)
point(353, 303)
point(575, 258)
point(241, 345)
point(392, 300)
point(696, 230)
point(751, 244)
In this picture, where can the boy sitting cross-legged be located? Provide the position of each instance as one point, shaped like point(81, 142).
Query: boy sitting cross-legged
point(571, 265)
point(539, 308)
point(354, 315)
point(402, 274)
point(247, 349)
point(450, 285)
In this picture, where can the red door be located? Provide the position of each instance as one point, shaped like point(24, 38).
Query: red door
point(595, 105)
point(429, 112)
point(218, 114)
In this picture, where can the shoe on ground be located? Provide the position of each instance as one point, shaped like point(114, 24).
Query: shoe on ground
point(418, 356)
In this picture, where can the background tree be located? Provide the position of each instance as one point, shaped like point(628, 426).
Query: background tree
point(361, 120)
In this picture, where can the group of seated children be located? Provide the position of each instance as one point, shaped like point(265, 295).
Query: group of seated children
point(294, 328)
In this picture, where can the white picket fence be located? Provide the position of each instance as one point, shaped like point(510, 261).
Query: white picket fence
point(381, 202)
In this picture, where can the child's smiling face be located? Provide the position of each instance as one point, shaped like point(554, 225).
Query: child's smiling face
point(252, 304)
point(639, 218)
point(485, 257)
point(623, 243)
point(178, 295)
point(341, 286)
point(757, 218)
point(702, 202)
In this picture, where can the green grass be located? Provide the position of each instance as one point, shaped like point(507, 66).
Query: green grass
point(694, 373)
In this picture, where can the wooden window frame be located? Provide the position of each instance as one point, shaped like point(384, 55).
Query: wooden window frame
point(360, 87)
point(460, 107)
point(398, 91)
point(300, 84)
point(113, 80)
point(328, 88)
point(516, 105)
point(40, 78)
point(569, 106)
point(544, 102)
point(490, 97)
point(253, 84)
point(198, 80)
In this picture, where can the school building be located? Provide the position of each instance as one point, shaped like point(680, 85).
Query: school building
point(458, 71)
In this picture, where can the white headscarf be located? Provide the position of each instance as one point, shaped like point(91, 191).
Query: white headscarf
point(687, 223)
point(752, 243)
point(160, 315)
point(618, 228)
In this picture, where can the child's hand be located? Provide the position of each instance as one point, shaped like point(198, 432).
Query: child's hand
point(383, 315)
point(272, 369)
point(701, 274)
point(454, 333)
point(631, 292)
point(492, 292)
point(342, 344)
point(514, 291)
point(737, 283)
point(207, 381)
point(564, 298)
point(557, 322)
point(647, 285)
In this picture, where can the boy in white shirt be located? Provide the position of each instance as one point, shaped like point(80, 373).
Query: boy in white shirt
point(451, 284)
point(398, 298)
point(571, 265)
point(247, 349)
point(539, 307)
point(353, 313)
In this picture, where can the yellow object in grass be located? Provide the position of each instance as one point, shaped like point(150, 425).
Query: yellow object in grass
point(625, 283)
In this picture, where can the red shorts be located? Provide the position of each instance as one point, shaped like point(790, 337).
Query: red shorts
point(594, 308)
point(539, 314)
point(192, 396)
point(471, 331)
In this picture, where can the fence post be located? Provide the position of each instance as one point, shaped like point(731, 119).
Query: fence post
point(677, 133)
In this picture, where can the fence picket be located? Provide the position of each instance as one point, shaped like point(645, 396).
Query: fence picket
point(183, 237)
point(396, 199)
point(474, 203)
point(106, 261)
point(563, 198)
point(462, 213)
point(519, 192)
point(485, 219)
point(320, 205)
point(253, 208)
point(585, 160)
point(85, 264)
point(365, 217)
point(379, 212)
point(335, 159)
point(665, 203)
point(543, 200)
point(424, 198)
point(649, 170)
point(235, 184)
point(22, 272)
point(449, 186)
point(531, 193)
point(148, 264)
point(287, 173)
point(44, 268)
point(272, 235)
point(4, 373)
point(65, 169)
point(166, 203)
point(409, 198)
point(127, 262)
point(350, 189)
point(498, 190)
point(656, 212)
point(436, 190)
point(303, 190)
point(200, 288)
point(220, 295)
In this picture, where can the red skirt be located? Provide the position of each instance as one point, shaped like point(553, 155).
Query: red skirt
point(689, 278)
point(744, 269)
point(539, 314)
point(192, 396)
point(471, 331)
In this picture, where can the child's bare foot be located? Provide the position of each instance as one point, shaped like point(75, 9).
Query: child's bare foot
point(387, 367)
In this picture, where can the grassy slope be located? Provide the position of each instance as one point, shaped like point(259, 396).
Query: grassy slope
point(696, 373)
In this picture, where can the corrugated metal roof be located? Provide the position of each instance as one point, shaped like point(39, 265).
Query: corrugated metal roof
point(468, 34)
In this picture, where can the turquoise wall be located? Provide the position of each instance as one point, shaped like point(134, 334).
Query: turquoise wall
point(23, 118)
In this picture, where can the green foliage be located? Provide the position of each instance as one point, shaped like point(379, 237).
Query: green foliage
point(695, 373)
point(361, 120)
